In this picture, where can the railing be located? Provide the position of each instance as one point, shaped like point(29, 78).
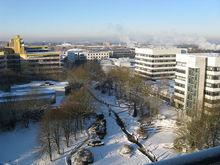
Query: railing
point(203, 157)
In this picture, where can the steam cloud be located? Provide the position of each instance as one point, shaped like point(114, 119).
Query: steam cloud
point(167, 38)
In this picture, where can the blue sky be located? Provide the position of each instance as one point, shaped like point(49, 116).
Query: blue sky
point(74, 19)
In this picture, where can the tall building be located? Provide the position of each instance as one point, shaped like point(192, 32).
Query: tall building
point(156, 63)
point(197, 81)
point(36, 59)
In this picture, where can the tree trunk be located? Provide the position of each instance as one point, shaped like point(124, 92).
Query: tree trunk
point(49, 146)
point(135, 110)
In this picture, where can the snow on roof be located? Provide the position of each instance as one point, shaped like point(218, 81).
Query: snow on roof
point(26, 92)
point(40, 84)
point(205, 54)
point(126, 62)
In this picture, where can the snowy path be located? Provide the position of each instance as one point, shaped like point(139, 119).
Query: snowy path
point(160, 143)
point(114, 140)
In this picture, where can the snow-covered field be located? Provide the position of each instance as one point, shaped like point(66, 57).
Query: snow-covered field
point(114, 140)
point(160, 142)
point(17, 145)
point(20, 145)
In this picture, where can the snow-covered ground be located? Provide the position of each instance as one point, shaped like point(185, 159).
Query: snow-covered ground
point(114, 140)
point(163, 139)
point(20, 146)
point(160, 142)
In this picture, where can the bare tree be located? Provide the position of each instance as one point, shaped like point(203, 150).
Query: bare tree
point(45, 135)
point(197, 131)
point(56, 129)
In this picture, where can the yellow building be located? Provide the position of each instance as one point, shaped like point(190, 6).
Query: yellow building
point(17, 44)
point(36, 59)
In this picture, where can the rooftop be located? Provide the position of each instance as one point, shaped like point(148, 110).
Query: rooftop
point(205, 54)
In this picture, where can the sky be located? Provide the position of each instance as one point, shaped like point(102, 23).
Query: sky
point(108, 19)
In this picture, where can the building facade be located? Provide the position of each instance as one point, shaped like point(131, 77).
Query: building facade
point(36, 59)
point(197, 81)
point(156, 63)
point(9, 62)
point(72, 57)
point(123, 53)
point(97, 54)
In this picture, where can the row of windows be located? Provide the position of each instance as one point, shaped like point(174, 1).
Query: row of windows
point(179, 85)
point(43, 56)
point(180, 78)
point(181, 71)
point(213, 77)
point(155, 76)
point(212, 101)
point(180, 63)
point(98, 54)
point(156, 66)
point(147, 60)
point(156, 56)
point(45, 60)
point(179, 98)
point(92, 58)
point(44, 65)
point(209, 68)
point(10, 57)
point(155, 71)
point(179, 91)
point(212, 93)
point(213, 85)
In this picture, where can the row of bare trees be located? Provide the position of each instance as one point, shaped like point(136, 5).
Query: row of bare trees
point(132, 90)
point(61, 125)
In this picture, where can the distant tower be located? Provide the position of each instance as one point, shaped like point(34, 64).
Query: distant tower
point(17, 44)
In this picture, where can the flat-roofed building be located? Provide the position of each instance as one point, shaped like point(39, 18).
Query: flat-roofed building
point(36, 59)
point(156, 63)
point(72, 57)
point(122, 52)
point(97, 54)
point(197, 81)
point(41, 63)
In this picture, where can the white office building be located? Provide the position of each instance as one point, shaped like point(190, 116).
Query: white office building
point(98, 54)
point(197, 81)
point(156, 63)
point(74, 55)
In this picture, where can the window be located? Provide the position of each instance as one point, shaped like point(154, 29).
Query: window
point(209, 68)
point(181, 71)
